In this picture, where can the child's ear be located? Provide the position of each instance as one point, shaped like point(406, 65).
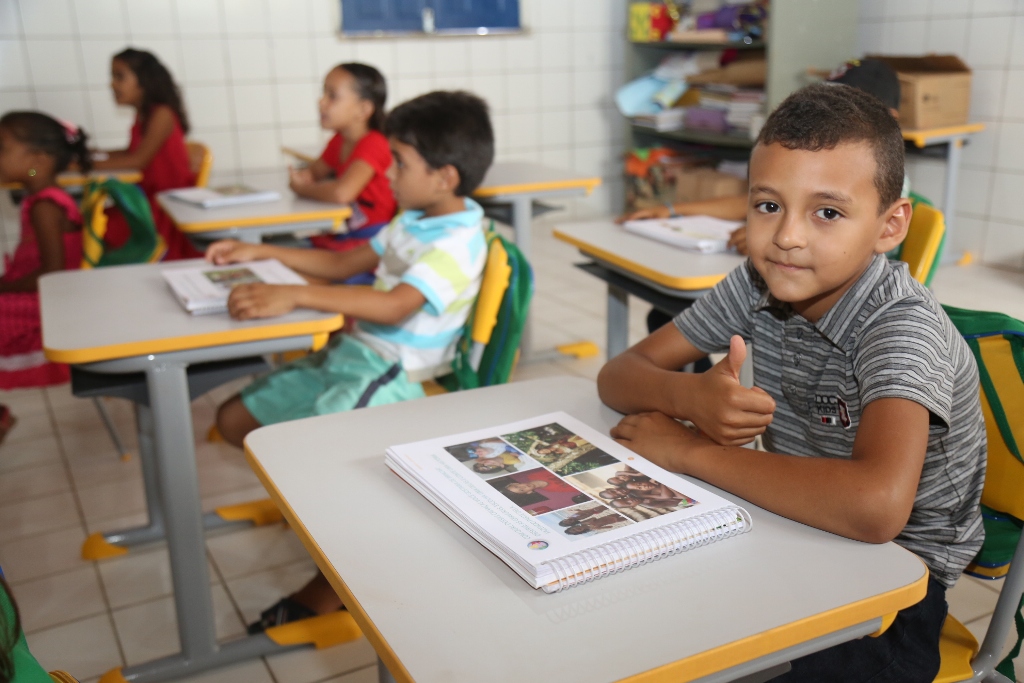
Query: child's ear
point(897, 222)
point(449, 177)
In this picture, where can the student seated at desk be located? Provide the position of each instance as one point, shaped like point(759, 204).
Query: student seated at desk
point(353, 167)
point(428, 264)
point(157, 145)
point(866, 395)
point(34, 148)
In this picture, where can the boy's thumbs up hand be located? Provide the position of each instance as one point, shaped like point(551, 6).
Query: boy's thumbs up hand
point(729, 413)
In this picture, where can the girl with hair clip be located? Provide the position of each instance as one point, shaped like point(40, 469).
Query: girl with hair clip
point(353, 167)
point(157, 144)
point(34, 148)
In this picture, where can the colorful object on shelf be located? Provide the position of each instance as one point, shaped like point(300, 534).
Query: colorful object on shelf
point(649, 22)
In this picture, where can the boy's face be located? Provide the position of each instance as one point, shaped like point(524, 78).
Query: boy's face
point(813, 224)
point(415, 184)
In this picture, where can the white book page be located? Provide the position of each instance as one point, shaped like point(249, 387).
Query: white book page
point(696, 233)
point(548, 487)
point(209, 286)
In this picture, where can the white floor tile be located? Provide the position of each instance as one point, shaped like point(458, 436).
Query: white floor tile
point(256, 549)
point(59, 599)
point(150, 630)
point(31, 426)
point(312, 666)
point(30, 453)
point(139, 576)
point(252, 671)
point(38, 515)
point(367, 675)
point(33, 482)
point(968, 600)
point(24, 401)
point(112, 499)
point(103, 467)
point(83, 648)
point(44, 554)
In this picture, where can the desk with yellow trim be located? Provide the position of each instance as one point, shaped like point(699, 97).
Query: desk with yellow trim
point(659, 273)
point(250, 222)
point(76, 179)
point(124, 321)
point(954, 138)
point(437, 606)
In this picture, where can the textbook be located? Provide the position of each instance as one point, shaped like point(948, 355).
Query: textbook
point(205, 289)
point(229, 195)
point(561, 503)
point(704, 234)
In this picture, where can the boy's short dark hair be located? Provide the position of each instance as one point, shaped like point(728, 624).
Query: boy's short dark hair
point(825, 115)
point(447, 128)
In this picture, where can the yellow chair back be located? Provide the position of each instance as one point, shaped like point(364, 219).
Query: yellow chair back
point(200, 161)
point(924, 237)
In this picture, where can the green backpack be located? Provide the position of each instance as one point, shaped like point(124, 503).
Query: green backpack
point(144, 244)
point(487, 352)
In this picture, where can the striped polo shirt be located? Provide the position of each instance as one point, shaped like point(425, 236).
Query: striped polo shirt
point(886, 337)
point(443, 257)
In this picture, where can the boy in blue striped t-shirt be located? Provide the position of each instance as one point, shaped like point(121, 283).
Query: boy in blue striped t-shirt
point(427, 264)
point(865, 393)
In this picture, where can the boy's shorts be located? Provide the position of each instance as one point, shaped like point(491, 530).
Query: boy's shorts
point(344, 375)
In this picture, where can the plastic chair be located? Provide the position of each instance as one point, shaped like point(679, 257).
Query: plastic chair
point(921, 248)
point(489, 348)
point(200, 161)
point(997, 342)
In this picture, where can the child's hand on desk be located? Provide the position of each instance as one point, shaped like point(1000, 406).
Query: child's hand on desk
point(738, 240)
point(657, 437)
point(652, 212)
point(299, 176)
point(224, 252)
point(260, 300)
point(730, 413)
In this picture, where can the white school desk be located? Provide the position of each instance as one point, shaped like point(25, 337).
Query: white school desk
point(437, 606)
point(124, 319)
point(661, 271)
point(954, 138)
point(250, 222)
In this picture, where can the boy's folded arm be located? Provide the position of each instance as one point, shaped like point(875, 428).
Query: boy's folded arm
point(363, 303)
point(321, 264)
point(343, 190)
point(868, 497)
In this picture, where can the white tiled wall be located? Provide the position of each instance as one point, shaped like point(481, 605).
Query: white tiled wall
point(989, 36)
point(251, 71)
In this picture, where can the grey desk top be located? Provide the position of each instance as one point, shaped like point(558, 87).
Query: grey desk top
point(430, 596)
point(91, 315)
point(288, 210)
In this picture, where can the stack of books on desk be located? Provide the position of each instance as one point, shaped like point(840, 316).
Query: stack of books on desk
point(561, 503)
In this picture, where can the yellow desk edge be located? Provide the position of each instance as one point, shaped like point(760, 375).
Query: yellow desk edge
point(337, 215)
point(368, 628)
point(74, 180)
point(524, 188)
point(301, 156)
point(680, 283)
point(920, 137)
point(682, 671)
point(194, 341)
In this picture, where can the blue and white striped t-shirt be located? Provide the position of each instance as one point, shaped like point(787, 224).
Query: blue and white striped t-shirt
point(443, 257)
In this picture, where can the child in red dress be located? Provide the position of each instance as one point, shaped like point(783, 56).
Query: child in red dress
point(353, 167)
point(157, 144)
point(34, 148)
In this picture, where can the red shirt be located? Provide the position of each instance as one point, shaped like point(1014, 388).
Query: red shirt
point(376, 203)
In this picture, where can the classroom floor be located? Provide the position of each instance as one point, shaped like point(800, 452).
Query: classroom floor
point(60, 480)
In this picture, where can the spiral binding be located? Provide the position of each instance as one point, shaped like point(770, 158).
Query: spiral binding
point(646, 546)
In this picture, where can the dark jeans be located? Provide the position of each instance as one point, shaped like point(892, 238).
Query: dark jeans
point(908, 651)
point(656, 319)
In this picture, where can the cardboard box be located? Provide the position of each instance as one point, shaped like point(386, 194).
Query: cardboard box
point(694, 185)
point(935, 90)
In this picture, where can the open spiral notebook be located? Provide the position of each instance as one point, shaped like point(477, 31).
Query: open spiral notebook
point(561, 503)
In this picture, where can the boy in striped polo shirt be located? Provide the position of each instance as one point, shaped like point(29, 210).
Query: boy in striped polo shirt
point(865, 394)
point(427, 263)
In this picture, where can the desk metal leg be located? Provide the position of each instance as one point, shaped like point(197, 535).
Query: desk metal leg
point(154, 530)
point(618, 321)
point(383, 675)
point(522, 222)
point(954, 151)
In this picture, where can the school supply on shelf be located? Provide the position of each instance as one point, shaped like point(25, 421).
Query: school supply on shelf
point(703, 234)
point(205, 289)
point(561, 503)
point(228, 195)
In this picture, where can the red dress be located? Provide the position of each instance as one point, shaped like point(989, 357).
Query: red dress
point(168, 170)
point(375, 206)
point(22, 363)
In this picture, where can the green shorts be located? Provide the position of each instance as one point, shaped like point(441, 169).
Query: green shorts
point(344, 375)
